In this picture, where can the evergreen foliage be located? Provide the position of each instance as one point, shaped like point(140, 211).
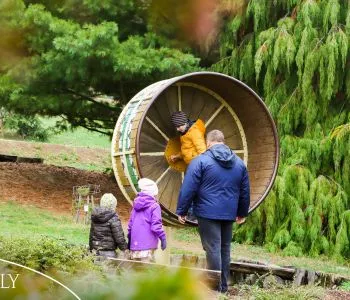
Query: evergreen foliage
point(300, 50)
point(57, 58)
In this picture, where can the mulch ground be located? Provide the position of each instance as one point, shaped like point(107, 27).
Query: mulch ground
point(51, 187)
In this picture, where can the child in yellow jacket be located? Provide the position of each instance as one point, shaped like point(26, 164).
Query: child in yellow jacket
point(192, 137)
point(192, 142)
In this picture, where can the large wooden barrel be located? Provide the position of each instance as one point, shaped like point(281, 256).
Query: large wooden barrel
point(144, 137)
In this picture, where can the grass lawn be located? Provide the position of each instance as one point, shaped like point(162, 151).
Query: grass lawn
point(78, 137)
point(28, 221)
point(18, 220)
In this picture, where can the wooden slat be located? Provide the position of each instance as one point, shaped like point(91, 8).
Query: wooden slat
point(254, 133)
point(162, 175)
point(261, 156)
point(179, 97)
point(261, 149)
point(265, 140)
point(215, 114)
point(152, 167)
point(188, 94)
point(157, 128)
point(152, 154)
point(164, 190)
point(255, 162)
point(160, 112)
point(150, 139)
point(176, 180)
point(254, 168)
point(259, 189)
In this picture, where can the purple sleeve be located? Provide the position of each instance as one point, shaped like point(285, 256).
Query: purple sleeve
point(156, 222)
point(130, 221)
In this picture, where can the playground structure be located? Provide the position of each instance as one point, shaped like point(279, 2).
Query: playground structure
point(84, 201)
point(144, 137)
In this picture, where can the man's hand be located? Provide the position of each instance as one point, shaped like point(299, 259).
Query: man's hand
point(240, 220)
point(175, 157)
point(182, 219)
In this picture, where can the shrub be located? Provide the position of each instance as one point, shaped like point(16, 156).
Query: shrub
point(45, 253)
point(28, 127)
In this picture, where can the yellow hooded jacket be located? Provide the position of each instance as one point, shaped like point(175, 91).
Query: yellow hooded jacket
point(193, 141)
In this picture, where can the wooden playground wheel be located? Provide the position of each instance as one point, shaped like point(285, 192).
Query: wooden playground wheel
point(144, 137)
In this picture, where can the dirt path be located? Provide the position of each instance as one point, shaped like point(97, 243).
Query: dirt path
point(50, 187)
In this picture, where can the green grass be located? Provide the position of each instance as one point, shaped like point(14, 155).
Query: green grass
point(277, 292)
point(71, 159)
point(257, 253)
point(78, 137)
point(345, 286)
point(189, 234)
point(27, 221)
point(22, 221)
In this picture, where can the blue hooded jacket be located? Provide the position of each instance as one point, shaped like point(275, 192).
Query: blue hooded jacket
point(217, 182)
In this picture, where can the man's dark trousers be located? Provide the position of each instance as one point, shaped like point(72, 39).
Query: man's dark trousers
point(216, 236)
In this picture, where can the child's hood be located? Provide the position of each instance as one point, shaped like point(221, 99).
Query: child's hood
point(102, 215)
point(143, 201)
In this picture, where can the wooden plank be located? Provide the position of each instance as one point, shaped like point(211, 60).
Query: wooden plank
point(166, 188)
point(265, 140)
point(260, 176)
point(264, 148)
point(255, 133)
point(255, 162)
point(149, 160)
point(188, 105)
point(153, 168)
point(160, 112)
point(177, 181)
point(250, 114)
point(257, 189)
point(171, 98)
point(253, 268)
point(211, 105)
point(253, 168)
point(179, 96)
point(261, 156)
point(150, 144)
point(150, 139)
point(209, 277)
point(259, 181)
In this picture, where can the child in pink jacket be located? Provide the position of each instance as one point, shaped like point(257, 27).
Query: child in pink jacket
point(145, 224)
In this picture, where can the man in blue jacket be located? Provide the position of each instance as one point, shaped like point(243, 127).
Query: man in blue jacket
point(218, 184)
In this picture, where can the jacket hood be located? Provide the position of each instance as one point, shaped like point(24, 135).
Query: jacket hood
point(199, 124)
point(223, 155)
point(102, 215)
point(143, 201)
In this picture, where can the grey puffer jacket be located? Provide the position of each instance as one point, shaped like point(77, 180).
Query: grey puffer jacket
point(106, 232)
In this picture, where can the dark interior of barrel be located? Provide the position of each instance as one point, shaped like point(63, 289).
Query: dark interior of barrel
point(222, 104)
